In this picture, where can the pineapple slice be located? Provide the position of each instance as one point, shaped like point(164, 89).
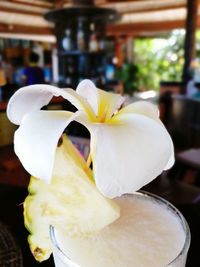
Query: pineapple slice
point(71, 202)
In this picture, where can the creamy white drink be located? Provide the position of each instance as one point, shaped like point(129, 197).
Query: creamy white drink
point(148, 233)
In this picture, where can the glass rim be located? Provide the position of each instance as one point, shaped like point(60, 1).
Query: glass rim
point(59, 251)
point(182, 219)
point(183, 222)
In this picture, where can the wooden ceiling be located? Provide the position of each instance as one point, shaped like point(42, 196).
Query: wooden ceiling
point(138, 17)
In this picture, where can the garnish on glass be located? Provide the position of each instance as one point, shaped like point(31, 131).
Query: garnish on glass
point(129, 147)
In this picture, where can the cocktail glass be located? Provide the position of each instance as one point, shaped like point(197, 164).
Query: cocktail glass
point(62, 260)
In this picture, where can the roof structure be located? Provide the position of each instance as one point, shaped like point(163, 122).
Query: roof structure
point(138, 17)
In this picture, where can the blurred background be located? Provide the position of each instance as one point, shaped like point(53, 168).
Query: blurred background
point(145, 50)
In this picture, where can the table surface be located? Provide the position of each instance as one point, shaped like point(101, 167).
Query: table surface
point(11, 213)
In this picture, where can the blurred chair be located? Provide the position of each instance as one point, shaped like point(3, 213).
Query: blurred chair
point(167, 90)
point(184, 125)
point(82, 144)
point(10, 252)
point(187, 166)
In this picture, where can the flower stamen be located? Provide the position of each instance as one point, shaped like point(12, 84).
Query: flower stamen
point(89, 160)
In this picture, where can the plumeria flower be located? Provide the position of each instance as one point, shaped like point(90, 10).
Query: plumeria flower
point(129, 146)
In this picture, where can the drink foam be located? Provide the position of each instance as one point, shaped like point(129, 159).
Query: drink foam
point(148, 234)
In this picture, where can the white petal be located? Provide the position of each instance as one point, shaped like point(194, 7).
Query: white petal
point(171, 161)
point(36, 140)
point(34, 97)
point(104, 104)
point(143, 108)
point(88, 90)
point(147, 109)
point(28, 99)
point(109, 103)
point(129, 155)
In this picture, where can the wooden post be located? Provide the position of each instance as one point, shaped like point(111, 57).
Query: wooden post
point(129, 50)
point(118, 51)
point(191, 24)
point(83, 2)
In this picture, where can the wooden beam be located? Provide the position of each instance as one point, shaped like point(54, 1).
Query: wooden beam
point(137, 29)
point(59, 3)
point(21, 11)
point(130, 29)
point(112, 30)
point(151, 9)
point(36, 4)
point(117, 1)
point(14, 28)
point(191, 26)
point(24, 7)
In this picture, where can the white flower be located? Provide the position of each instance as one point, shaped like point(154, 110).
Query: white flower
point(129, 146)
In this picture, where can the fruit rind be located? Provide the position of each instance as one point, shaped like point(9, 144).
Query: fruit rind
point(71, 202)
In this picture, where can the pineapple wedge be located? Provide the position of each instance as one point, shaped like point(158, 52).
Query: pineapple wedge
point(71, 202)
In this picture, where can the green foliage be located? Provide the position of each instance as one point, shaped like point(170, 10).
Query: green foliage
point(159, 59)
point(198, 45)
point(128, 74)
point(155, 59)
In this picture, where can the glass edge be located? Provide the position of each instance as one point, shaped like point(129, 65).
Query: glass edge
point(61, 254)
point(185, 225)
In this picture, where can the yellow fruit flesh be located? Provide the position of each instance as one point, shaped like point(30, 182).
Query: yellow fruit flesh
point(71, 202)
